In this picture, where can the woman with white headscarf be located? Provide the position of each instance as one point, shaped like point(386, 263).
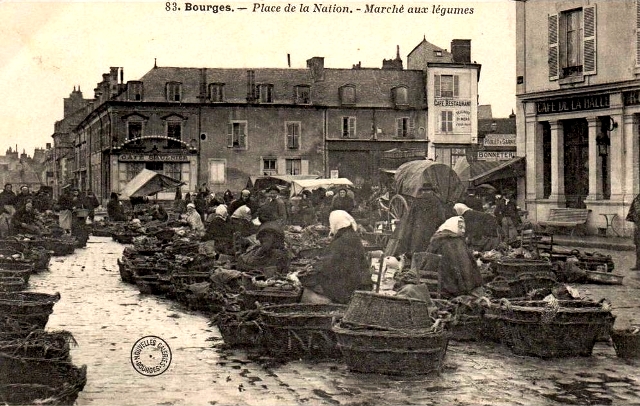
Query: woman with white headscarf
point(220, 231)
point(194, 220)
point(344, 268)
point(241, 223)
point(481, 229)
point(459, 272)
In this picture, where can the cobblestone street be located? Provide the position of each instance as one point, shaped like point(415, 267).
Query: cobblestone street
point(107, 316)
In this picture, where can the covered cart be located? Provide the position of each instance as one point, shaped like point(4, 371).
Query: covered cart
point(147, 183)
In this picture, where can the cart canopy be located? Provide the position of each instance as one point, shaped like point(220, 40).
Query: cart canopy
point(264, 182)
point(410, 177)
point(147, 183)
point(297, 186)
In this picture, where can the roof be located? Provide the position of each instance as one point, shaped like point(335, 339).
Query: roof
point(503, 126)
point(425, 51)
point(147, 183)
point(512, 168)
point(373, 86)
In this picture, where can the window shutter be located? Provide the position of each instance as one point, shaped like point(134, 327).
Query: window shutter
point(281, 165)
point(589, 48)
point(638, 33)
point(352, 127)
point(230, 135)
point(412, 128)
point(455, 85)
point(436, 83)
point(242, 136)
point(304, 167)
point(398, 127)
point(553, 47)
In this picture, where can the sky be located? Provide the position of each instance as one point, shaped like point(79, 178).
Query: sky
point(48, 47)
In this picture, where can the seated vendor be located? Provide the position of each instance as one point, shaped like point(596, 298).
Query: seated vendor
point(194, 220)
point(159, 213)
point(270, 252)
point(459, 272)
point(220, 231)
point(344, 268)
point(24, 220)
point(241, 222)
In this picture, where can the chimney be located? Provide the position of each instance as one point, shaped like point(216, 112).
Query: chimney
point(461, 50)
point(316, 65)
point(121, 75)
point(289, 60)
point(48, 145)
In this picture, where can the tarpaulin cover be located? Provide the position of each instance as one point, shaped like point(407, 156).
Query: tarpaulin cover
point(263, 182)
point(512, 168)
point(147, 183)
point(297, 186)
point(410, 177)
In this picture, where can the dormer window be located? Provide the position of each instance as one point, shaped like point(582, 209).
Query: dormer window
point(265, 93)
point(302, 94)
point(134, 91)
point(437, 53)
point(400, 96)
point(348, 94)
point(174, 91)
point(216, 92)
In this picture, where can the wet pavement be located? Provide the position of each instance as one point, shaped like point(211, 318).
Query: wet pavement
point(107, 317)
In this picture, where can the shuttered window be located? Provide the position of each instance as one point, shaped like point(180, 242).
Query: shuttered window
point(293, 134)
point(553, 47)
point(405, 127)
point(589, 48)
point(348, 127)
point(446, 85)
point(237, 135)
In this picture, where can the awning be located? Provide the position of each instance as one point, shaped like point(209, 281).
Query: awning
point(297, 186)
point(513, 168)
point(147, 183)
point(264, 182)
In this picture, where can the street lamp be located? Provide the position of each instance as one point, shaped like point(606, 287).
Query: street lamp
point(603, 141)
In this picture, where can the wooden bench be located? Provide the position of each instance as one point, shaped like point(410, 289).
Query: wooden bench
point(566, 218)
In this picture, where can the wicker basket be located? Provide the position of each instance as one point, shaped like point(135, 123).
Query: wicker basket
point(511, 267)
point(301, 330)
point(241, 334)
point(25, 303)
point(23, 381)
point(399, 352)
point(386, 312)
point(25, 274)
point(269, 297)
point(12, 284)
point(148, 284)
point(519, 286)
point(40, 344)
point(570, 329)
point(126, 272)
point(58, 247)
point(626, 343)
point(16, 266)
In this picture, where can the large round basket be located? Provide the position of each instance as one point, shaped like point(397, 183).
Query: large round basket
point(523, 283)
point(25, 380)
point(58, 246)
point(16, 266)
point(536, 328)
point(40, 344)
point(12, 284)
point(626, 343)
point(238, 334)
point(397, 352)
point(269, 297)
point(148, 284)
point(19, 303)
point(386, 312)
point(301, 330)
point(126, 271)
point(510, 268)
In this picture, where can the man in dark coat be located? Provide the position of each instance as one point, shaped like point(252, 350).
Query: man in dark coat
point(424, 217)
point(274, 209)
point(481, 229)
point(245, 199)
point(91, 203)
point(473, 201)
point(7, 196)
point(343, 201)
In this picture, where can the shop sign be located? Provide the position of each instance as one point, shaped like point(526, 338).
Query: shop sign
point(452, 103)
point(496, 155)
point(152, 158)
point(573, 104)
point(500, 140)
point(631, 98)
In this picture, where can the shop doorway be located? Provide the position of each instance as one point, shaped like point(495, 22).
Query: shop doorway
point(576, 162)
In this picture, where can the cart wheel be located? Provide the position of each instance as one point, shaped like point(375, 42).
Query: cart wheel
point(398, 206)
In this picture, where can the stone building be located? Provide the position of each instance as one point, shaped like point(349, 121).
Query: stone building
point(579, 106)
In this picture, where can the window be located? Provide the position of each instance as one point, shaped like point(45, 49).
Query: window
point(134, 91)
point(174, 130)
point(400, 96)
point(293, 134)
point(134, 168)
point(237, 135)
point(446, 85)
point(265, 93)
point(217, 171)
point(404, 127)
point(348, 127)
point(348, 94)
point(174, 91)
point(134, 131)
point(302, 94)
point(269, 166)
point(572, 43)
point(216, 92)
point(173, 170)
point(437, 53)
point(446, 121)
point(154, 166)
point(294, 166)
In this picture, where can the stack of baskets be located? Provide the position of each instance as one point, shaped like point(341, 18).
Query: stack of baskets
point(510, 268)
point(561, 328)
point(293, 331)
point(35, 365)
point(390, 335)
point(521, 284)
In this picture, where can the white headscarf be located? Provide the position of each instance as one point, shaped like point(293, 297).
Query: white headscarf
point(340, 219)
point(242, 212)
point(460, 208)
point(453, 224)
point(191, 206)
point(221, 211)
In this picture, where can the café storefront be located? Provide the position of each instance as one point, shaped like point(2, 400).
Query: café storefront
point(582, 152)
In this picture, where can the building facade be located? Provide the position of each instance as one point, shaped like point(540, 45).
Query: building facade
point(579, 106)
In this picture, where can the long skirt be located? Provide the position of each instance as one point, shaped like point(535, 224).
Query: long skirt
point(65, 219)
